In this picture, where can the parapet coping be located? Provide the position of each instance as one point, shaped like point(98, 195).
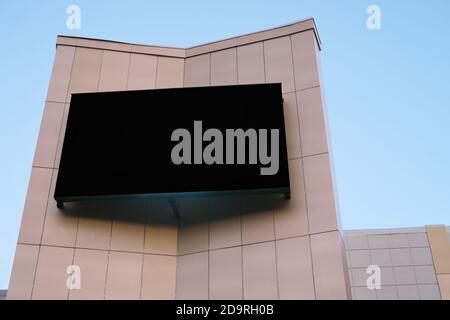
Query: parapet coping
point(284, 30)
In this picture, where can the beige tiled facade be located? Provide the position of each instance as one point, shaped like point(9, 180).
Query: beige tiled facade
point(220, 247)
point(410, 261)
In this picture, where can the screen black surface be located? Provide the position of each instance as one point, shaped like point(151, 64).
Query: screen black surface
point(119, 143)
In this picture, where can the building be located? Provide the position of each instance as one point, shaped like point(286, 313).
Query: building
point(414, 262)
point(219, 248)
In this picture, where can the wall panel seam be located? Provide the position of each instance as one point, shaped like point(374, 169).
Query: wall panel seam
point(35, 270)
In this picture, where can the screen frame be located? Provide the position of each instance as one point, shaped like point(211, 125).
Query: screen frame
point(284, 191)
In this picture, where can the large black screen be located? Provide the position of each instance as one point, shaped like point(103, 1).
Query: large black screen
point(123, 143)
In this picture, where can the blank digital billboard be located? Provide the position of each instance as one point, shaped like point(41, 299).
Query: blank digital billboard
point(174, 141)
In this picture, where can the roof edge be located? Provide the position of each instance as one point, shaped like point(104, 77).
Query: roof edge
point(276, 32)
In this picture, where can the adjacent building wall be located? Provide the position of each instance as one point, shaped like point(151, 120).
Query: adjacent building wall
point(412, 261)
point(440, 249)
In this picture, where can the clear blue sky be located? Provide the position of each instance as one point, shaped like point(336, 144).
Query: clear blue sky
point(387, 92)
